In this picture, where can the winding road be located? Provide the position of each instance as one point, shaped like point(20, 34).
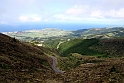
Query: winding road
point(54, 65)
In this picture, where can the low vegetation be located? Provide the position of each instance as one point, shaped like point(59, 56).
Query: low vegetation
point(92, 60)
point(81, 46)
point(94, 47)
point(113, 47)
point(20, 62)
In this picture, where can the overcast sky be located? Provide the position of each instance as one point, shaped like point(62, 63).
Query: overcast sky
point(83, 11)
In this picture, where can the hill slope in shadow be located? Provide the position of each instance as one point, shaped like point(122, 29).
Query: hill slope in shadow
point(22, 63)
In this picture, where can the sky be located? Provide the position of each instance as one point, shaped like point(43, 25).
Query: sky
point(73, 11)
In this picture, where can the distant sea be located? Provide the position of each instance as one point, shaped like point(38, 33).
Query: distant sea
point(63, 26)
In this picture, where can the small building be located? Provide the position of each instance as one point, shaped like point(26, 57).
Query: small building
point(39, 44)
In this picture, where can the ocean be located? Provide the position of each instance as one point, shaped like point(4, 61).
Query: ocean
point(63, 26)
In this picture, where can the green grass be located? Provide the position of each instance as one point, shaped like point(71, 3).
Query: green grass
point(51, 43)
point(69, 44)
point(81, 46)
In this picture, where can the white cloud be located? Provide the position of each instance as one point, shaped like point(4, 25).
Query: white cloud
point(97, 14)
point(116, 13)
point(45, 20)
point(77, 10)
point(36, 19)
point(24, 18)
point(33, 18)
point(93, 12)
point(63, 17)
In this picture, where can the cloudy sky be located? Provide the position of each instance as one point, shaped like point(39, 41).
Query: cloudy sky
point(83, 11)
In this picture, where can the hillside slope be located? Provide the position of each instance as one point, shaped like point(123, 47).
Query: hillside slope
point(96, 47)
point(22, 63)
point(113, 47)
point(81, 46)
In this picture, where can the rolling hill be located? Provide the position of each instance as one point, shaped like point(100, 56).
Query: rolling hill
point(23, 63)
point(113, 47)
point(94, 47)
point(39, 35)
point(54, 33)
point(80, 46)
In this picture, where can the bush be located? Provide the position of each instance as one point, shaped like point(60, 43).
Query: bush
point(113, 69)
point(6, 66)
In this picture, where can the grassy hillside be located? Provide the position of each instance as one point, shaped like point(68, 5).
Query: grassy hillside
point(90, 69)
point(12, 50)
point(22, 63)
point(108, 35)
point(113, 47)
point(68, 44)
point(102, 33)
point(101, 30)
point(94, 47)
point(51, 43)
point(81, 46)
point(93, 70)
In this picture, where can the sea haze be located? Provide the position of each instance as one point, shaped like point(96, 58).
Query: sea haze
point(63, 26)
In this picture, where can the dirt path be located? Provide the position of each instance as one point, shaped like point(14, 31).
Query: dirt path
point(59, 44)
